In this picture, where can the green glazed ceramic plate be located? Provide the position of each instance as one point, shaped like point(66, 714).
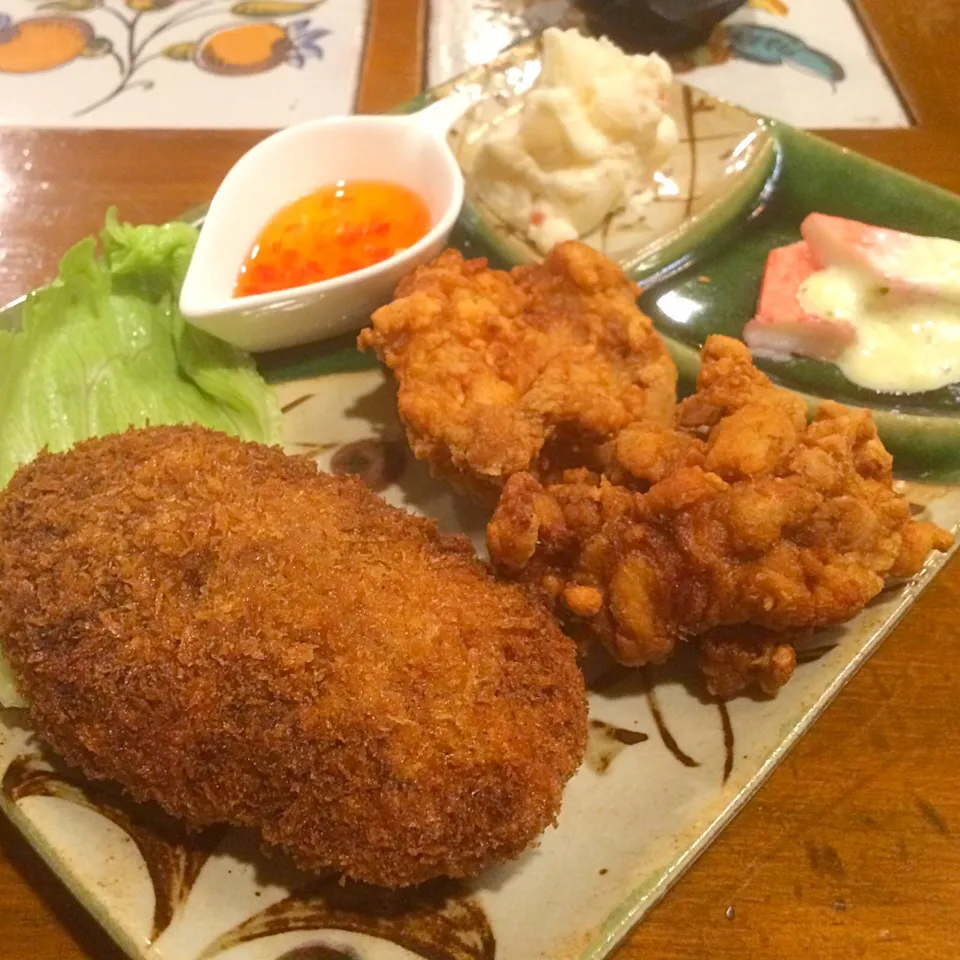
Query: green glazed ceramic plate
point(665, 768)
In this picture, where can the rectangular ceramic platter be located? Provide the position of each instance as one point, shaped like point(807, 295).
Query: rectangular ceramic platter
point(665, 770)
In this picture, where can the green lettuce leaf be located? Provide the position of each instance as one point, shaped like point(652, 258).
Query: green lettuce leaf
point(104, 347)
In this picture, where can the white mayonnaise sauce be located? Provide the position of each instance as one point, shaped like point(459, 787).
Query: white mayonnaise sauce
point(906, 342)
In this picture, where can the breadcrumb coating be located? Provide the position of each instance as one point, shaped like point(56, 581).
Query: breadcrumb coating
point(223, 630)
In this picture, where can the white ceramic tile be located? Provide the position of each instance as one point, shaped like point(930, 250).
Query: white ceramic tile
point(284, 67)
point(176, 85)
point(810, 33)
point(801, 90)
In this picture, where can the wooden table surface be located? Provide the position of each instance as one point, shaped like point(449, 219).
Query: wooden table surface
point(852, 849)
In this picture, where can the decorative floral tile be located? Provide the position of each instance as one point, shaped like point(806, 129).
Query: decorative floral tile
point(469, 33)
point(807, 62)
point(269, 63)
point(177, 63)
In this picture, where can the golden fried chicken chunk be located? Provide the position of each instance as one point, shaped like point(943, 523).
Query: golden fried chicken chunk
point(530, 370)
point(223, 630)
point(750, 516)
point(735, 658)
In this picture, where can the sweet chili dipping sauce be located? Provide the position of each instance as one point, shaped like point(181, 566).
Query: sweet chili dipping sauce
point(336, 230)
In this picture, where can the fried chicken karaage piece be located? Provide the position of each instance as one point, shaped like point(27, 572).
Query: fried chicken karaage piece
point(744, 515)
point(530, 370)
point(223, 630)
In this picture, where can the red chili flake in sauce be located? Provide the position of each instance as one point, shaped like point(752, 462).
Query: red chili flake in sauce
point(336, 230)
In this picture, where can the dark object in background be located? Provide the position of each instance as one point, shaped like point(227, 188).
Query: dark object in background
point(668, 26)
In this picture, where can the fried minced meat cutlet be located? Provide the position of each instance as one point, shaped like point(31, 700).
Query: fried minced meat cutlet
point(529, 370)
point(225, 631)
point(744, 516)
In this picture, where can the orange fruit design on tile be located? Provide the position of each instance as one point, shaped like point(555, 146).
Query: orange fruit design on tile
point(247, 49)
point(42, 43)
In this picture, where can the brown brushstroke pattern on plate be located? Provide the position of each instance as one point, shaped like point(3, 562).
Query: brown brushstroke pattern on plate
point(729, 739)
point(293, 404)
point(669, 741)
point(319, 951)
point(605, 742)
point(173, 857)
point(614, 675)
point(436, 921)
point(378, 463)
